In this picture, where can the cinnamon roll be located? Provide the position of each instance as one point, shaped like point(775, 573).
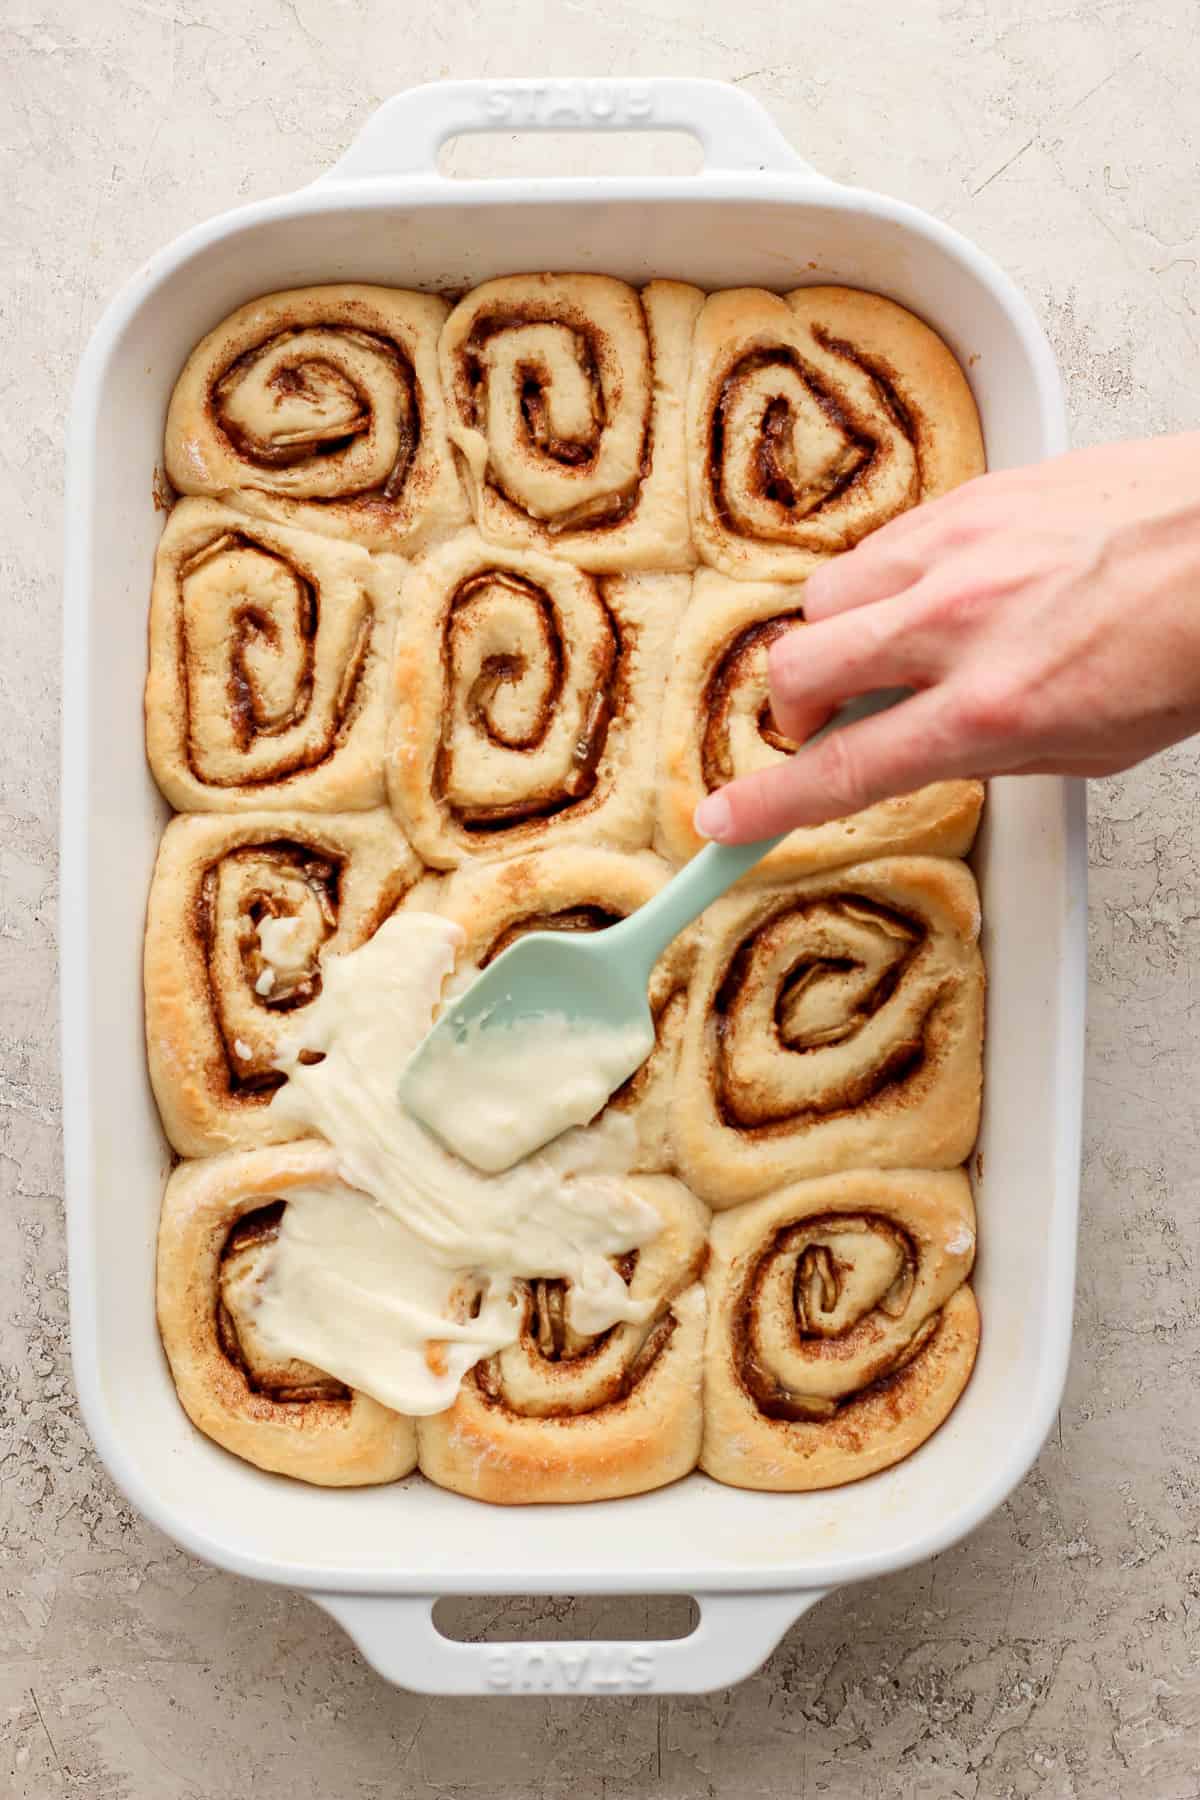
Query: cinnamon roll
point(268, 657)
point(812, 420)
point(321, 408)
point(841, 1329)
point(526, 698)
point(717, 725)
point(566, 396)
point(243, 911)
point(219, 1220)
point(561, 1415)
point(583, 890)
point(832, 1023)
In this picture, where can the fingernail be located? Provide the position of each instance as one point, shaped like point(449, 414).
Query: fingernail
point(714, 817)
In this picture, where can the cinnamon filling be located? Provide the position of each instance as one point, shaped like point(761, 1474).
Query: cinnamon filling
point(548, 1331)
point(280, 879)
point(602, 512)
point(330, 389)
point(602, 699)
point(816, 1293)
point(776, 476)
point(743, 661)
point(571, 453)
point(251, 626)
point(239, 1272)
point(797, 1031)
point(584, 917)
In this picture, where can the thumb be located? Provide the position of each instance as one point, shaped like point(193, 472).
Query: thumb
point(892, 753)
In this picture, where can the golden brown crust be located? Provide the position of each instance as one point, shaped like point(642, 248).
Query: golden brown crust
point(211, 1034)
point(288, 1418)
point(566, 397)
point(841, 1329)
point(832, 1023)
point(526, 700)
point(562, 1417)
point(269, 652)
point(717, 726)
point(584, 890)
point(812, 420)
point(320, 408)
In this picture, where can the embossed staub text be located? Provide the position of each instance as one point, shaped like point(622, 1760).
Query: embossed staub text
point(568, 104)
point(569, 1669)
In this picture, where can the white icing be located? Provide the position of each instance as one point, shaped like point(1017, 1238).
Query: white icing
point(373, 1278)
point(502, 1091)
point(242, 1049)
point(284, 948)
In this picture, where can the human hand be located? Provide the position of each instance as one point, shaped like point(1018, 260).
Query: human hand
point(1047, 617)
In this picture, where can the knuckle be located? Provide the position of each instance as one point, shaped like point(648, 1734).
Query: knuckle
point(993, 707)
point(784, 663)
point(795, 720)
point(828, 586)
point(951, 610)
point(965, 527)
point(840, 776)
point(819, 593)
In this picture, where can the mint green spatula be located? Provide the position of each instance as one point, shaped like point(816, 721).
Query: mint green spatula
point(548, 1031)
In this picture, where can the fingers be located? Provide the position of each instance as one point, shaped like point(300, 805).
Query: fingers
point(884, 564)
point(897, 555)
point(814, 667)
point(892, 753)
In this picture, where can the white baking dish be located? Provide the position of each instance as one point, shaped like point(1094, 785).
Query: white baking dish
point(377, 1559)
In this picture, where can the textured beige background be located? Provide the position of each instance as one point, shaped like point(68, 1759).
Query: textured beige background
point(1056, 1653)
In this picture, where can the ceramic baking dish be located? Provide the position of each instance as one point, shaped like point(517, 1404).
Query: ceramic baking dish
point(377, 1559)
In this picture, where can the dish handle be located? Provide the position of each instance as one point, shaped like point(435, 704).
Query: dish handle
point(734, 1635)
point(404, 136)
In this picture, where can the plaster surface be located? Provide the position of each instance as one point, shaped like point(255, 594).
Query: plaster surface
point(1057, 1653)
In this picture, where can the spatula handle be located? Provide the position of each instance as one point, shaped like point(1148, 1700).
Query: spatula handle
point(649, 930)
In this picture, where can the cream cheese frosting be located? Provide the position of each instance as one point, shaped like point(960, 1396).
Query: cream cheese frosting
point(401, 1276)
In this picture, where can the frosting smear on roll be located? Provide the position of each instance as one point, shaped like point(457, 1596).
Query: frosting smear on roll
point(403, 1278)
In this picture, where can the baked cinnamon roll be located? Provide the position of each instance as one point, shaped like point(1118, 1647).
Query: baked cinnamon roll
point(841, 1330)
point(812, 420)
point(219, 1220)
point(566, 397)
point(832, 1023)
point(561, 1415)
point(269, 651)
point(525, 702)
point(583, 890)
point(717, 725)
point(321, 408)
point(243, 912)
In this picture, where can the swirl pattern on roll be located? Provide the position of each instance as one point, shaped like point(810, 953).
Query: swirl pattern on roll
point(580, 889)
point(268, 662)
point(833, 1023)
point(566, 396)
point(717, 726)
point(841, 1329)
point(812, 420)
point(243, 911)
point(564, 1415)
point(526, 699)
point(219, 1221)
point(321, 408)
